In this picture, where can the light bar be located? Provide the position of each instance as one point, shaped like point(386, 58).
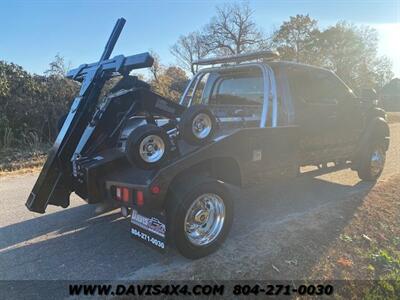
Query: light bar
point(266, 55)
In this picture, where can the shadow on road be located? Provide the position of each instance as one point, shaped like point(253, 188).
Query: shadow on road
point(76, 244)
point(62, 221)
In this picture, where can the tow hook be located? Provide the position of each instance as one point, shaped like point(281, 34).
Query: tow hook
point(125, 211)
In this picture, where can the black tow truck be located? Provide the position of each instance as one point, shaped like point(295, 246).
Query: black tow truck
point(247, 119)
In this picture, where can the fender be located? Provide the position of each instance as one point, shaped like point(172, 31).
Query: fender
point(377, 128)
point(376, 112)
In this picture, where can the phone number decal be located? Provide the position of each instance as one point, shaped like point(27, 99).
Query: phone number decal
point(280, 289)
point(148, 238)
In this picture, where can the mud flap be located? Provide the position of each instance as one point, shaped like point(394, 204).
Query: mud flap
point(149, 228)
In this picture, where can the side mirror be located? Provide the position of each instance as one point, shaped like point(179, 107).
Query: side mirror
point(369, 96)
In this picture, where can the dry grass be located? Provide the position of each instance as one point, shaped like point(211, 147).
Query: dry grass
point(14, 161)
point(393, 117)
point(368, 247)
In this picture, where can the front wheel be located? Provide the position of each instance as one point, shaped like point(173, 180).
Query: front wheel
point(200, 214)
point(372, 162)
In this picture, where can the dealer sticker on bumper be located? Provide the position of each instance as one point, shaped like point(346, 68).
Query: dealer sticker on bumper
point(149, 229)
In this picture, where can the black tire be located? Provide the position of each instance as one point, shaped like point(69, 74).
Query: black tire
point(133, 145)
point(182, 196)
point(366, 170)
point(186, 124)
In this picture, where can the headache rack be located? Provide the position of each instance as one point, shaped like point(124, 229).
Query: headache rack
point(238, 58)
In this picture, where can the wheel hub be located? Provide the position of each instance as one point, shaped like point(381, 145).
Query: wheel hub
point(205, 219)
point(377, 161)
point(201, 216)
point(201, 126)
point(152, 148)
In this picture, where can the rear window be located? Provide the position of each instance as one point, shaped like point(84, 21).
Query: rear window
point(238, 89)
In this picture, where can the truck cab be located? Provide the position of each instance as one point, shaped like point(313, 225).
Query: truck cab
point(269, 94)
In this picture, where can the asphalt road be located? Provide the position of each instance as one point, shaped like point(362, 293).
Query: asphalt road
point(74, 243)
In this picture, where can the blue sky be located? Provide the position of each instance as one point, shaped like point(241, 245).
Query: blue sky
point(33, 32)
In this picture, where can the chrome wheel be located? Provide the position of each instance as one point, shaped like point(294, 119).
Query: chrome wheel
point(152, 148)
point(205, 219)
point(201, 126)
point(377, 162)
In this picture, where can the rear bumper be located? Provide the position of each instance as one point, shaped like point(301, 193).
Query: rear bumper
point(140, 195)
point(107, 171)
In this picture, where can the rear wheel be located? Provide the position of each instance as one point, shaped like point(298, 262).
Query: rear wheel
point(200, 214)
point(372, 162)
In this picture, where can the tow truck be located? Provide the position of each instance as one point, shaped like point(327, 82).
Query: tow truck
point(242, 120)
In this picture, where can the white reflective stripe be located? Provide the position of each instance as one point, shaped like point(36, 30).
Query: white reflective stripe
point(238, 119)
point(264, 113)
point(218, 138)
point(271, 75)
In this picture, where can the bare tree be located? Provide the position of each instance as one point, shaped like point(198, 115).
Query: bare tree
point(57, 67)
point(189, 48)
point(156, 68)
point(233, 30)
point(383, 71)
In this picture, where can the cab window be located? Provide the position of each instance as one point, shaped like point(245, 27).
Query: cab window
point(316, 86)
point(243, 88)
point(327, 88)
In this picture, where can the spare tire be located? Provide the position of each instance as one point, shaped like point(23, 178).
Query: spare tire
point(197, 124)
point(147, 146)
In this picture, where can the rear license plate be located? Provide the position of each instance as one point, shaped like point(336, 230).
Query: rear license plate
point(150, 229)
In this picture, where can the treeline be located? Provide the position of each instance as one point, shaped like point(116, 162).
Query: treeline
point(348, 50)
point(31, 104)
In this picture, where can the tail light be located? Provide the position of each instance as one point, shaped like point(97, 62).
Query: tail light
point(118, 193)
point(126, 195)
point(122, 194)
point(139, 198)
point(129, 196)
